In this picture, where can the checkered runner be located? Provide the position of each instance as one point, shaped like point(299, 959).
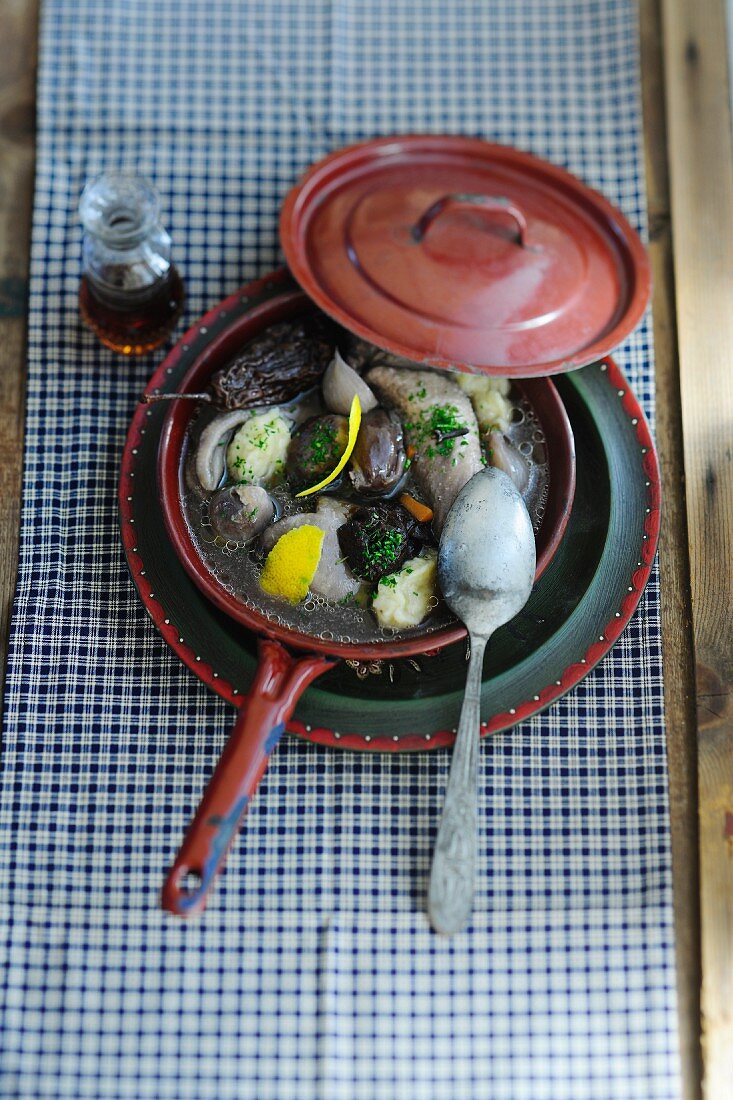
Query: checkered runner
point(313, 975)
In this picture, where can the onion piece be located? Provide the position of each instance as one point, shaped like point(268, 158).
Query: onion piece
point(341, 384)
point(505, 456)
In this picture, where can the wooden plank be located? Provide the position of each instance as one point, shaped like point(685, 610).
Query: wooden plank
point(701, 188)
point(18, 35)
point(674, 564)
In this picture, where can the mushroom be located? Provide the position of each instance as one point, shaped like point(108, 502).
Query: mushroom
point(378, 539)
point(378, 459)
point(210, 453)
point(316, 448)
point(239, 513)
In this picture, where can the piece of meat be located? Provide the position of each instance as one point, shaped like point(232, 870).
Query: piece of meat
point(430, 407)
point(270, 535)
point(333, 579)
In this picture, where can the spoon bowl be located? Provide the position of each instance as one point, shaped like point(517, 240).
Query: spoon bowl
point(487, 557)
point(486, 568)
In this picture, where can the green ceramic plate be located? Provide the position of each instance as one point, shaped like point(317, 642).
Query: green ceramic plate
point(576, 612)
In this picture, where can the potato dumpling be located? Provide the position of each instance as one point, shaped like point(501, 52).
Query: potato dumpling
point(257, 452)
point(489, 397)
point(403, 599)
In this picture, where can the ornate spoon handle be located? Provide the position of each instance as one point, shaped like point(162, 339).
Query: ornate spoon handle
point(450, 898)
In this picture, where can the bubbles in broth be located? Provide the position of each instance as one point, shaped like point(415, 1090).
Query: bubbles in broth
point(237, 567)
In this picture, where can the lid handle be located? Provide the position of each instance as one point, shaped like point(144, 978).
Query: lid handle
point(493, 204)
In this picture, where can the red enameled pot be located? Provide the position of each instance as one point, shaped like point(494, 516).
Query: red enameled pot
point(282, 677)
point(452, 252)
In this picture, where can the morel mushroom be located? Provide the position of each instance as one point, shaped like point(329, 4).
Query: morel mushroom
point(378, 539)
point(286, 360)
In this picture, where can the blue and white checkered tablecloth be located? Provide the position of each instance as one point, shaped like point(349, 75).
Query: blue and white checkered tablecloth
point(313, 975)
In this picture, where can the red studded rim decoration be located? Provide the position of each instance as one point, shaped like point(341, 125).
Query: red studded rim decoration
point(137, 470)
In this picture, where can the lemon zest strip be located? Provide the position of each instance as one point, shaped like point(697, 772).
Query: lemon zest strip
point(354, 425)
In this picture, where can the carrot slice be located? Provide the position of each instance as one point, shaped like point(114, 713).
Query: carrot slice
point(421, 512)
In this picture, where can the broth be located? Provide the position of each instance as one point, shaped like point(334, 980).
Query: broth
point(237, 567)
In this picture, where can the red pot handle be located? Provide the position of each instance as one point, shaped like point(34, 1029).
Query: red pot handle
point(491, 204)
point(278, 684)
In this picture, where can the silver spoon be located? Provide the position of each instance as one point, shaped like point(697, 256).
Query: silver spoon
point(486, 567)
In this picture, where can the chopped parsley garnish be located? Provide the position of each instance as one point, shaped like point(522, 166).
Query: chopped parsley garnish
point(324, 444)
point(382, 548)
point(442, 425)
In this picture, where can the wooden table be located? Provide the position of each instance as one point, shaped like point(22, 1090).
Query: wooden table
point(689, 159)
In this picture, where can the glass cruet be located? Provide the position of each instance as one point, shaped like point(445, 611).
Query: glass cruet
point(131, 295)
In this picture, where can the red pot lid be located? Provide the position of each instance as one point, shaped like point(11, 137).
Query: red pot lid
point(454, 252)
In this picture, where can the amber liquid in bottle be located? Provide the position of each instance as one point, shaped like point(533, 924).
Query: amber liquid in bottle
point(131, 295)
point(134, 328)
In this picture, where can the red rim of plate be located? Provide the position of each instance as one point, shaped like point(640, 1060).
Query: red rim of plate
point(300, 195)
point(417, 741)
